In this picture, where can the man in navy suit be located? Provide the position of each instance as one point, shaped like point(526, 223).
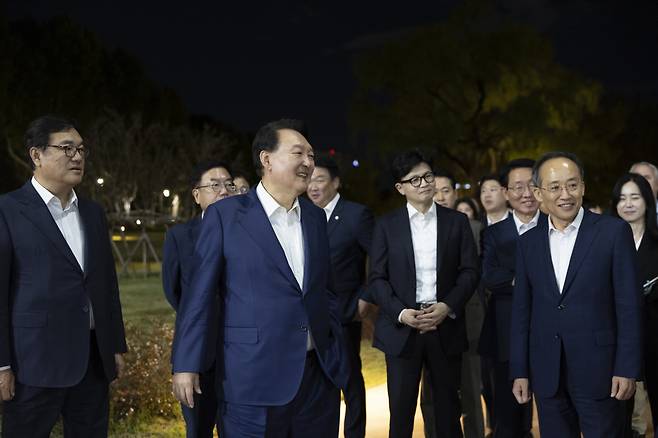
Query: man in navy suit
point(423, 270)
point(210, 182)
point(349, 226)
point(280, 358)
point(61, 328)
point(498, 263)
point(575, 337)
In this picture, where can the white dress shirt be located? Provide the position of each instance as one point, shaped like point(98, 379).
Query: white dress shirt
point(521, 227)
point(287, 226)
point(423, 237)
point(562, 243)
point(329, 208)
point(490, 222)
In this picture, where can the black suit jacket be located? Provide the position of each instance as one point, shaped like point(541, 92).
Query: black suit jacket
point(647, 256)
point(392, 277)
point(350, 235)
point(44, 295)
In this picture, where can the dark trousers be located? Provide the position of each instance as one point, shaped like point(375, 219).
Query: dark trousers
point(567, 414)
point(313, 412)
point(487, 368)
point(403, 375)
point(355, 392)
point(511, 417)
point(200, 420)
point(84, 408)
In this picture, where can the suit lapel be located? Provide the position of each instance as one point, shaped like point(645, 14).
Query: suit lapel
point(89, 234)
point(545, 251)
point(402, 228)
point(586, 234)
point(444, 226)
point(36, 211)
point(309, 225)
point(335, 217)
point(257, 224)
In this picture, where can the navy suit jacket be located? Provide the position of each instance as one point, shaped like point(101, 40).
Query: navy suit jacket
point(392, 277)
point(178, 267)
point(596, 320)
point(44, 295)
point(498, 265)
point(350, 235)
point(265, 316)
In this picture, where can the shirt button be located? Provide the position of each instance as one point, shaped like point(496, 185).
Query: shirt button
point(85, 309)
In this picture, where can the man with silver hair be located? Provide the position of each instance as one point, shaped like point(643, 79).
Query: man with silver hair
point(650, 172)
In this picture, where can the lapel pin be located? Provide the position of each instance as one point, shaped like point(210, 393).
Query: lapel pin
point(336, 217)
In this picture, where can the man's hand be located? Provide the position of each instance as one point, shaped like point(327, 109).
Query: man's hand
point(120, 364)
point(521, 390)
point(432, 316)
point(363, 310)
point(410, 317)
point(7, 385)
point(184, 385)
point(623, 388)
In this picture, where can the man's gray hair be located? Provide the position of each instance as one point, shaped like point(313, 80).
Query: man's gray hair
point(645, 163)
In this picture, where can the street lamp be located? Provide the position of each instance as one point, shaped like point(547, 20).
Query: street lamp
point(166, 193)
point(100, 181)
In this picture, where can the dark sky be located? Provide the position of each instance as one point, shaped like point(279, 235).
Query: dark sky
point(246, 63)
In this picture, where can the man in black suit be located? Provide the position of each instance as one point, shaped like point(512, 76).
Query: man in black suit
point(349, 226)
point(210, 182)
point(61, 328)
point(423, 270)
point(499, 261)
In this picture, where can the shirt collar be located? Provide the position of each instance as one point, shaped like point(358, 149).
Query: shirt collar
point(411, 210)
point(573, 226)
point(49, 198)
point(519, 223)
point(270, 205)
point(329, 208)
point(490, 222)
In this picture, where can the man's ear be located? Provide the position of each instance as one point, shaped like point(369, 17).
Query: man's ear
point(265, 160)
point(35, 155)
point(399, 188)
point(336, 183)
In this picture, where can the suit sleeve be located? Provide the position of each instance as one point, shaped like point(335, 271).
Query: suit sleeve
point(520, 323)
point(194, 317)
point(171, 275)
point(379, 284)
point(116, 313)
point(628, 305)
point(469, 272)
point(5, 282)
point(495, 277)
point(364, 237)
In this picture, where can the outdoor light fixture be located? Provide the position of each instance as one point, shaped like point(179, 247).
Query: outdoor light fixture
point(458, 186)
point(122, 228)
point(138, 222)
point(100, 181)
point(355, 163)
point(467, 186)
point(166, 193)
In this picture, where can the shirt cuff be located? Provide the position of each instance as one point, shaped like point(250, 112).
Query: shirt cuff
point(8, 367)
point(400, 316)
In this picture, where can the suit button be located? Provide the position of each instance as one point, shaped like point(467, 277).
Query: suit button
point(85, 309)
point(560, 307)
point(557, 336)
point(303, 328)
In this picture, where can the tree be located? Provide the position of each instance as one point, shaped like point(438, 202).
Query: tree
point(474, 90)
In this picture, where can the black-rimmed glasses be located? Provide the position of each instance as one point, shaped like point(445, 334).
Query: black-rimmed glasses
point(416, 180)
point(70, 150)
point(217, 186)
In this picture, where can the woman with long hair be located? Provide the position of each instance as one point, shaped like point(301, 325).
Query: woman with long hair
point(633, 201)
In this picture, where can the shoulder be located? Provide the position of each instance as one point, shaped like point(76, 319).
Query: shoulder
point(309, 207)
point(392, 216)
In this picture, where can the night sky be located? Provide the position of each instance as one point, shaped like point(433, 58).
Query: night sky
point(246, 63)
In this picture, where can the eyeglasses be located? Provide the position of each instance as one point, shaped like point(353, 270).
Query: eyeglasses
point(70, 150)
point(416, 180)
point(555, 188)
point(520, 189)
point(217, 186)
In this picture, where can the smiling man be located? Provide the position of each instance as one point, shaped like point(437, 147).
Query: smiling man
point(61, 329)
point(575, 336)
point(280, 356)
point(423, 270)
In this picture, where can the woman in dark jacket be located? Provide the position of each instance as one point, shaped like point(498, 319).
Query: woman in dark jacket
point(632, 200)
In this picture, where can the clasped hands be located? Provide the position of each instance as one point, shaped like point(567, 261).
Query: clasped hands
point(427, 319)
